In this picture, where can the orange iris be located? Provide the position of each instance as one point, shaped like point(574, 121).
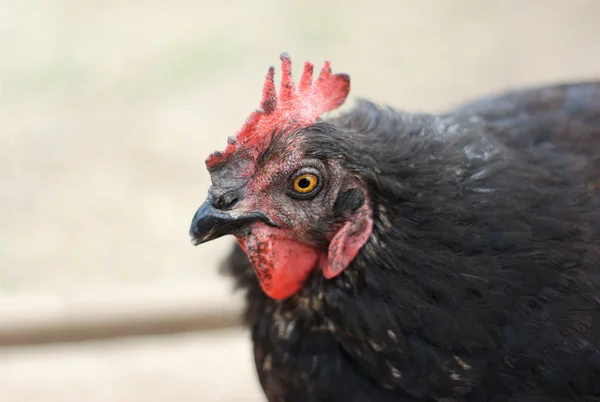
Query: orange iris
point(305, 183)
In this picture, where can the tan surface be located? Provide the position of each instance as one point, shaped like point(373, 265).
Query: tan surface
point(108, 109)
point(182, 368)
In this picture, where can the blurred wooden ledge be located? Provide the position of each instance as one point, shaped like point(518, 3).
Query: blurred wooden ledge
point(111, 313)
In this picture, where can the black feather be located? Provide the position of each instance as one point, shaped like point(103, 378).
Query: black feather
point(481, 280)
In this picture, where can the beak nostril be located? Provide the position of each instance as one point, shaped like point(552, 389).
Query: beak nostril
point(226, 201)
point(231, 203)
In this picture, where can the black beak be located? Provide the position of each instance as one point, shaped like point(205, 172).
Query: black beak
point(209, 223)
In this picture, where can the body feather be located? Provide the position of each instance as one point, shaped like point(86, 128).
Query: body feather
point(480, 281)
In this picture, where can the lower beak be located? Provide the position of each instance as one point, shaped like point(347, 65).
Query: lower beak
point(209, 224)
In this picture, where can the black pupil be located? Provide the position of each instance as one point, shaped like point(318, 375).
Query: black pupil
point(304, 183)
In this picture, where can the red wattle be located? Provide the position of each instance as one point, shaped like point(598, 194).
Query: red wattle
point(281, 264)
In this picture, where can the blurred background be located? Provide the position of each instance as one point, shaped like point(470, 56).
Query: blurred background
point(107, 111)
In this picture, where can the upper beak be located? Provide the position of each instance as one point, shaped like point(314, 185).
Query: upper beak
point(210, 223)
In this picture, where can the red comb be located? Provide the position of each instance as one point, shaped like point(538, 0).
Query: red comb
point(295, 106)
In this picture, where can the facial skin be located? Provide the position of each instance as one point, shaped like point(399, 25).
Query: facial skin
point(291, 213)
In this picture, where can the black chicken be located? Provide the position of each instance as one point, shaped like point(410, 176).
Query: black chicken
point(414, 257)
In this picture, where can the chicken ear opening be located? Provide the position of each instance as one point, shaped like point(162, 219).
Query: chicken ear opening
point(347, 242)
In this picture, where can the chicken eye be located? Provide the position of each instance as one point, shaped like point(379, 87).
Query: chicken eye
point(305, 183)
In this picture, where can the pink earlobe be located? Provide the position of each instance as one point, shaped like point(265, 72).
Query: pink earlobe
point(347, 242)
